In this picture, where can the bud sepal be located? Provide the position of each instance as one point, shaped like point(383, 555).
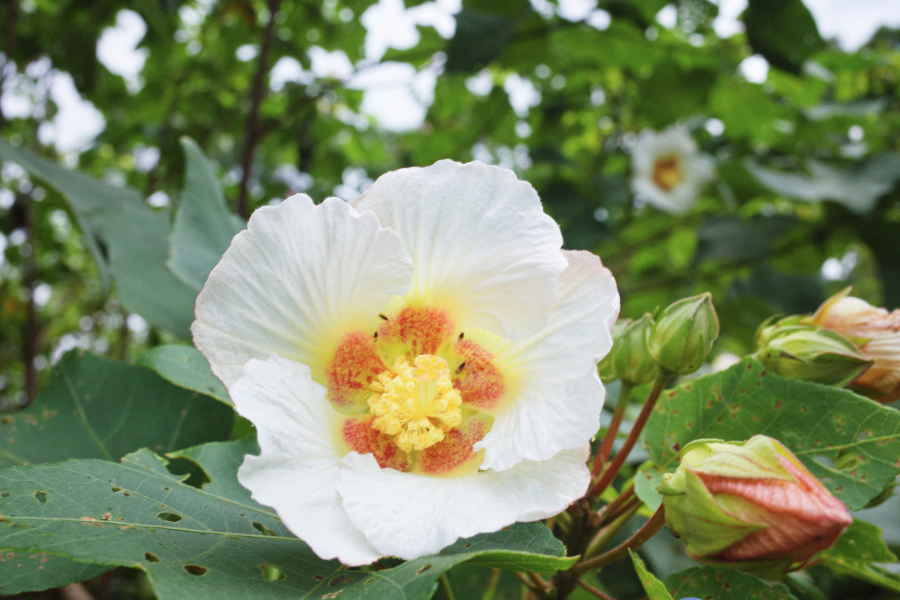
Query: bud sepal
point(750, 505)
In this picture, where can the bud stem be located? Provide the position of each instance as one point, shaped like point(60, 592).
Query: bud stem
point(646, 532)
point(613, 430)
point(609, 472)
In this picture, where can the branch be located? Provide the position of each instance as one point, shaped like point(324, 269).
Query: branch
point(609, 473)
point(646, 532)
point(257, 93)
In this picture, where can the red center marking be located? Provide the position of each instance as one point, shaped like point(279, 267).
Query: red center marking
point(363, 437)
point(455, 449)
point(354, 365)
point(421, 330)
point(479, 382)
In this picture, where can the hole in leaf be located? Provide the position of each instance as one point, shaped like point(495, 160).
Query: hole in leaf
point(272, 573)
point(151, 557)
point(40, 497)
point(424, 568)
point(170, 517)
point(335, 581)
point(319, 577)
point(262, 528)
point(116, 489)
point(196, 570)
point(188, 472)
point(4, 494)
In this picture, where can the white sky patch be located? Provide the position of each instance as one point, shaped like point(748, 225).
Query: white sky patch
point(117, 48)
point(481, 84)
point(388, 25)
point(76, 123)
point(247, 52)
point(330, 64)
point(355, 181)
point(755, 69)
point(576, 10)
point(288, 69)
point(852, 23)
point(396, 95)
point(668, 16)
point(522, 94)
point(599, 19)
point(145, 158)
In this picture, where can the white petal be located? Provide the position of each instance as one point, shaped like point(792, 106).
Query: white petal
point(409, 515)
point(482, 245)
point(297, 470)
point(294, 281)
point(558, 406)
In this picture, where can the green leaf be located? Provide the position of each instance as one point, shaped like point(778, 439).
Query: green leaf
point(849, 442)
point(216, 542)
point(724, 584)
point(94, 407)
point(203, 226)
point(734, 239)
point(855, 552)
point(480, 38)
point(653, 586)
point(783, 31)
point(185, 367)
point(857, 187)
point(36, 571)
point(137, 238)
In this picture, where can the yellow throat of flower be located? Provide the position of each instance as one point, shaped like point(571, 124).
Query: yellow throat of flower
point(667, 172)
point(417, 403)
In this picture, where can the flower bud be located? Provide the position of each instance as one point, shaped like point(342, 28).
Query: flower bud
point(683, 336)
point(630, 359)
point(605, 367)
point(877, 334)
point(750, 505)
point(793, 349)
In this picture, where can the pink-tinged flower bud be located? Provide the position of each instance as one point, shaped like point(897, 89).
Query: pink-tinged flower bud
point(682, 337)
point(792, 348)
point(877, 333)
point(750, 505)
point(630, 359)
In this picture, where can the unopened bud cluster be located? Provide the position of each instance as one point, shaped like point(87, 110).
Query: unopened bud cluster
point(750, 505)
point(847, 342)
point(677, 342)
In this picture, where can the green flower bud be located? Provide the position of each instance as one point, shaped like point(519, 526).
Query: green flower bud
point(802, 351)
point(605, 367)
point(631, 360)
point(683, 336)
point(750, 505)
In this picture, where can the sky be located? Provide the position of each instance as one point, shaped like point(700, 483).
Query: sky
point(395, 93)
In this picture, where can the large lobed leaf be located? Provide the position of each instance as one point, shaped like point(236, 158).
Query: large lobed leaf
point(215, 542)
point(137, 238)
point(724, 584)
point(203, 226)
point(94, 407)
point(849, 442)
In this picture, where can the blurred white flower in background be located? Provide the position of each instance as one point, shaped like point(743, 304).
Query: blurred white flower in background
point(668, 170)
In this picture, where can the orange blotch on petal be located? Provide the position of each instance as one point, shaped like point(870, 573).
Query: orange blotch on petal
point(361, 436)
point(354, 366)
point(455, 449)
point(421, 330)
point(479, 381)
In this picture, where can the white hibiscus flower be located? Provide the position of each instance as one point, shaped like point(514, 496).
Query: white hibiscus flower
point(668, 171)
point(420, 364)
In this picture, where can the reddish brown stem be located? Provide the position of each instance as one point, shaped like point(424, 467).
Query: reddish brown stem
point(611, 433)
point(257, 94)
point(646, 532)
point(609, 473)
